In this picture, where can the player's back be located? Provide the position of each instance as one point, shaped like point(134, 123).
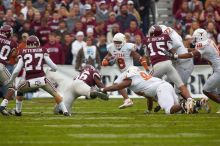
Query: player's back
point(155, 46)
point(145, 83)
point(210, 52)
point(6, 49)
point(88, 74)
point(33, 59)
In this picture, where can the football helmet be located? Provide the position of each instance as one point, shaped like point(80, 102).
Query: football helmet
point(199, 35)
point(119, 40)
point(6, 30)
point(155, 30)
point(33, 41)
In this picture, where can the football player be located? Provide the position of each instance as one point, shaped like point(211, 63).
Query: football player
point(83, 85)
point(144, 84)
point(156, 44)
point(183, 66)
point(7, 48)
point(31, 59)
point(208, 50)
point(123, 54)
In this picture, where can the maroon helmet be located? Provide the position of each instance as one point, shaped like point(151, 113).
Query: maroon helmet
point(33, 41)
point(6, 30)
point(155, 30)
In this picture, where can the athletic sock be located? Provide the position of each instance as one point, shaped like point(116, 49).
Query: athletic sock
point(63, 107)
point(4, 102)
point(18, 106)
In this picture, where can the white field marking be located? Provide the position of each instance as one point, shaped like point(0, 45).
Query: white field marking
point(82, 118)
point(139, 135)
point(107, 125)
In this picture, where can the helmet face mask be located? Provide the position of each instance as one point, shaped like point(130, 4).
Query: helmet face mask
point(119, 40)
point(33, 42)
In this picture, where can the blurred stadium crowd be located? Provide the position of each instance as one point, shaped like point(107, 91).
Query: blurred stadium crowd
point(64, 27)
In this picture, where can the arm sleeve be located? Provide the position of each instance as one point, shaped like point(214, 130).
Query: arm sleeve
point(17, 69)
point(49, 61)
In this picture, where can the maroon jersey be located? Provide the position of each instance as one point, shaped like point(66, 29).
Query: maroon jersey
point(43, 33)
point(56, 52)
point(155, 47)
point(88, 75)
point(33, 62)
point(6, 48)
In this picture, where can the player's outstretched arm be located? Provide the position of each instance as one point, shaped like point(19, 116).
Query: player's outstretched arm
point(99, 82)
point(105, 61)
point(16, 71)
point(188, 55)
point(141, 59)
point(124, 84)
point(49, 62)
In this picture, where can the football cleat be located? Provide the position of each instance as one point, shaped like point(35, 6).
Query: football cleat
point(14, 113)
point(3, 111)
point(66, 114)
point(189, 105)
point(127, 103)
point(218, 112)
point(157, 109)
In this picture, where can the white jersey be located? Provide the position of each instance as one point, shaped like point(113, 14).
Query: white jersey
point(123, 56)
point(177, 43)
point(144, 83)
point(210, 52)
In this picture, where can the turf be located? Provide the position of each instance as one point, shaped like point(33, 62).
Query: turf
point(98, 123)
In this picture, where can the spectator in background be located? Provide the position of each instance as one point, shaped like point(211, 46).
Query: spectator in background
point(100, 29)
point(20, 20)
point(133, 11)
point(117, 6)
point(76, 46)
point(7, 4)
point(10, 19)
point(36, 23)
point(27, 7)
point(188, 41)
point(110, 34)
point(195, 25)
point(55, 50)
point(40, 5)
point(181, 13)
point(102, 46)
point(78, 27)
point(2, 14)
point(43, 32)
point(147, 6)
point(212, 31)
point(89, 54)
point(133, 30)
point(111, 20)
point(72, 19)
point(90, 34)
point(88, 19)
point(63, 12)
point(54, 22)
point(26, 29)
point(195, 5)
point(30, 15)
point(124, 18)
point(139, 48)
point(62, 31)
point(102, 12)
point(68, 45)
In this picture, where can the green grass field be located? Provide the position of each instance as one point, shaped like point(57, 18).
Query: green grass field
point(101, 123)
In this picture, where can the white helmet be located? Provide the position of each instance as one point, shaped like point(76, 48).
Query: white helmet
point(132, 71)
point(119, 40)
point(163, 27)
point(200, 35)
